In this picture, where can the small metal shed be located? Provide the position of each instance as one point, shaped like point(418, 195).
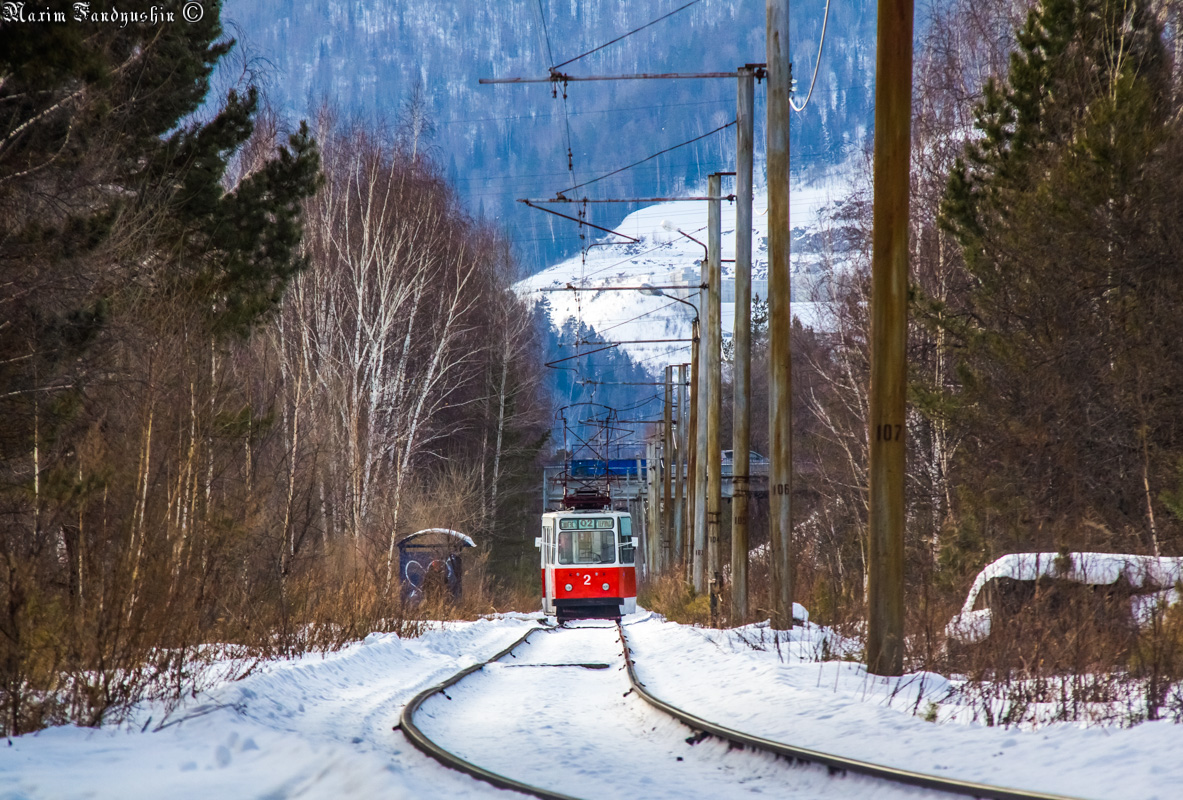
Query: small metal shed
point(429, 556)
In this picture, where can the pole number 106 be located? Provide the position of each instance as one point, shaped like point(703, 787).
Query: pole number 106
point(889, 433)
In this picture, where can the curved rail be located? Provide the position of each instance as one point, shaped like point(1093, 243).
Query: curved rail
point(834, 763)
point(449, 759)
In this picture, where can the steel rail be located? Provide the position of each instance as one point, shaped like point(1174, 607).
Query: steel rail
point(795, 754)
point(453, 761)
point(833, 762)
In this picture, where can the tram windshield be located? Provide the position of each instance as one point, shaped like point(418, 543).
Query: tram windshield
point(587, 547)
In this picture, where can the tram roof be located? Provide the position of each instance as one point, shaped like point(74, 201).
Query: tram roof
point(590, 511)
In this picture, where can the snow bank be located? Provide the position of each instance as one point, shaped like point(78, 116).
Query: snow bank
point(314, 727)
point(463, 538)
point(1149, 572)
point(787, 687)
point(321, 726)
point(1153, 574)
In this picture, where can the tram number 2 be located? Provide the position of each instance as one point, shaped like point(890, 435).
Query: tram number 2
point(587, 580)
point(889, 433)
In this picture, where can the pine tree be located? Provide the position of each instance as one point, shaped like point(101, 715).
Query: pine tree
point(1064, 220)
point(116, 233)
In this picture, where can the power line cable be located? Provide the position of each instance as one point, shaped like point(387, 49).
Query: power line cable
point(550, 56)
point(623, 36)
point(647, 158)
point(640, 404)
point(618, 263)
point(821, 43)
point(634, 319)
point(627, 260)
point(528, 179)
point(705, 164)
point(612, 110)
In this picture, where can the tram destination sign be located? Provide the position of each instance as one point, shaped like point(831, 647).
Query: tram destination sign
point(585, 523)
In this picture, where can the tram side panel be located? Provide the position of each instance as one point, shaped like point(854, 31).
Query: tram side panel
point(546, 543)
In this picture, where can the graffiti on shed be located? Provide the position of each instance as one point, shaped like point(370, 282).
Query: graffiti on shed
point(429, 561)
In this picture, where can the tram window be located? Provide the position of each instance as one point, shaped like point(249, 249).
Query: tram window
point(607, 547)
point(627, 548)
point(587, 547)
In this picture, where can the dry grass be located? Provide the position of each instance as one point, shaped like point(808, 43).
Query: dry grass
point(670, 596)
point(1073, 656)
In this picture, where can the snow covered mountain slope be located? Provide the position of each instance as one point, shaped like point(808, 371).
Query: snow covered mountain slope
point(500, 143)
point(664, 258)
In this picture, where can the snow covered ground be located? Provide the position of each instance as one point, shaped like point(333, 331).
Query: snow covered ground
point(599, 739)
point(316, 727)
point(662, 257)
point(322, 726)
point(837, 707)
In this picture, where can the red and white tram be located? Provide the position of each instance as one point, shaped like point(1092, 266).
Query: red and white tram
point(588, 558)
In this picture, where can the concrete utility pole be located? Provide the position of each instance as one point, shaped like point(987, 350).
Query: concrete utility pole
point(741, 432)
point(692, 456)
point(780, 315)
point(889, 337)
point(650, 509)
point(680, 471)
point(714, 393)
point(667, 475)
point(699, 410)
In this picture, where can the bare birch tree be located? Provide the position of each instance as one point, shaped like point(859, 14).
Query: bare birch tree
point(370, 336)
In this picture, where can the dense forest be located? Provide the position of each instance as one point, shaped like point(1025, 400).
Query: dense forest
point(238, 360)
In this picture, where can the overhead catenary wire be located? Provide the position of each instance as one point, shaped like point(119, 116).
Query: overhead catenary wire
point(611, 110)
point(550, 56)
point(817, 62)
point(581, 218)
point(647, 158)
point(623, 36)
point(581, 222)
point(709, 163)
point(625, 261)
point(490, 189)
point(551, 364)
point(645, 313)
point(640, 404)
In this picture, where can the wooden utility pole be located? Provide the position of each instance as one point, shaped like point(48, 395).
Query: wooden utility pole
point(714, 393)
point(741, 429)
point(667, 475)
point(780, 315)
point(679, 555)
point(889, 338)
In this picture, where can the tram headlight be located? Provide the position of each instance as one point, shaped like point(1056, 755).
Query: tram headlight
point(567, 587)
point(605, 587)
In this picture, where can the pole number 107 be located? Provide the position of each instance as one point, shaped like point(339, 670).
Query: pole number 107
point(889, 433)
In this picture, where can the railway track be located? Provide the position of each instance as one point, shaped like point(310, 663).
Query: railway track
point(621, 736)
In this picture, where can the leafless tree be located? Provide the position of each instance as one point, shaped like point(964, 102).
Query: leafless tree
point(370, 336)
